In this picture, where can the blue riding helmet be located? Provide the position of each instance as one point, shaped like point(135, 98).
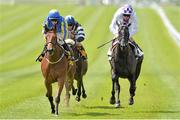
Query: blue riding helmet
point(70, 20)
point(54, 14)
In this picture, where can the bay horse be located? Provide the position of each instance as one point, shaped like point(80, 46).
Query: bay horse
point(124, 65)
point(81, 69)
point(55, 68)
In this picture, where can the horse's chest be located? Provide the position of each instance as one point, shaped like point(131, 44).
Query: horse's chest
point(55, 71)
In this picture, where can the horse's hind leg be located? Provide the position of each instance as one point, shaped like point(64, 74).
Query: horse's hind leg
point(132, 90)
point(114, 79)
point(57, 99)
point(74, 90)
point(49, 95)
point(79, 84)
point(83, 91)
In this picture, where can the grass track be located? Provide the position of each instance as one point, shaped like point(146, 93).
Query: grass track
point(22, 92)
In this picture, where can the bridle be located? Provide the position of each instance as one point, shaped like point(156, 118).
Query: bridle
point(122, 38)
point(51, 50)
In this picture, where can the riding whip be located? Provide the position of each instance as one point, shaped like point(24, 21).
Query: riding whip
point(104, 44)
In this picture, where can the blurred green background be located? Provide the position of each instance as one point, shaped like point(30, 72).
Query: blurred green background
point(22, 91)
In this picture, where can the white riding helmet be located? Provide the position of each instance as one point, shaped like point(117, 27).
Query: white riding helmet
point(127, 9)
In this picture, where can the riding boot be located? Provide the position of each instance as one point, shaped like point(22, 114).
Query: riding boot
point(68, 51)
point(83, 53)
point(41, 56)
point(138, 52)
point(81, 50)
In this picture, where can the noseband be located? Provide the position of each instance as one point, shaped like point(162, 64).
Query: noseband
point(51, 50)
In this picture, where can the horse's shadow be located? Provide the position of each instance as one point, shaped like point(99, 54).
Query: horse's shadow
point(97, 113)
point(102, 107)
point(159, 111)
point(93, 114)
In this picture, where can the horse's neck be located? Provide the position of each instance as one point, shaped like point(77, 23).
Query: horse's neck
point(121, 54)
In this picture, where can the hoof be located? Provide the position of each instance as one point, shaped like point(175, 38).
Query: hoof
point(74, 91)
point(117, 105)
point(84, 95)
point(131, 101)
point(78, 99)
point(53, 112)
point(112, 100)
point(56, 114)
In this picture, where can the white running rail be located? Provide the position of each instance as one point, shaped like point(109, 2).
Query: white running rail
point(173, 32)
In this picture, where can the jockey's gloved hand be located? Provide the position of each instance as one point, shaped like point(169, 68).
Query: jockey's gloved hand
point(60, 38)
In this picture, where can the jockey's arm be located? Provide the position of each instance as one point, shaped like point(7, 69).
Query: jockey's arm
point(47, 26)
point(80, 36)
point(134, 25)
point(63, 29)
point(62, 34)
point(80, 39)
point(113, 26)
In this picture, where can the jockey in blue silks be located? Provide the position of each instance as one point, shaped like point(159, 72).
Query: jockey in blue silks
point(55, 21)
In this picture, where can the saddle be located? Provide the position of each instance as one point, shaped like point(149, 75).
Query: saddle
point(79, 48)
point(132, 44)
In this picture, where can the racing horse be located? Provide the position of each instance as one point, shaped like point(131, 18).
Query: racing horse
point(124, 65)
point(55, 67)
point(81, 69)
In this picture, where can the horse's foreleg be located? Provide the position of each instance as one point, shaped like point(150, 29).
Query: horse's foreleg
point(114, 79)
point(79, 84)
point(49, 95)
point(118, 93)
point(83, 91)
point(132, 90)
point(67, 97)
point(74, 90)
point(57, 99)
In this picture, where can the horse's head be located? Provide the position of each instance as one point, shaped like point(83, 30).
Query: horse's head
point(51, 41)
point(123, 35)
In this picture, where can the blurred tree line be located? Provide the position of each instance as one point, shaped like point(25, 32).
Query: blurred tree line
point(92, 2)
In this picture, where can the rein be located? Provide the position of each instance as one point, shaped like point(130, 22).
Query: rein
point(57, 60)
point(47, 50)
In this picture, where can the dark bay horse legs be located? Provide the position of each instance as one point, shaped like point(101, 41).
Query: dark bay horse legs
point(49, 95)
point(114, 79)
point(79, 84)
point(78, 91)
point(83, 91)
point(117, 86)
point(132, 89)
point(74, 90)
